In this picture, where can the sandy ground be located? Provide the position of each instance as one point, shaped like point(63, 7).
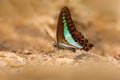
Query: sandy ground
point(27, 35)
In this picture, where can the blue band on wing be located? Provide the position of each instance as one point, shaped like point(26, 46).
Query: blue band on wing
point(67, 34)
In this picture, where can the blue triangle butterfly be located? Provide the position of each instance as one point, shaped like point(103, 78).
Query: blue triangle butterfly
point(67, 35)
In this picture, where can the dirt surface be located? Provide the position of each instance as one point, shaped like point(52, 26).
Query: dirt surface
point(27, 35)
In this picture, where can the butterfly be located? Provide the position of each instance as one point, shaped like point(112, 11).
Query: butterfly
point(67, 35)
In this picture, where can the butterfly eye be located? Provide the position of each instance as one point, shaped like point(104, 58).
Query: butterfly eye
point(55, 44)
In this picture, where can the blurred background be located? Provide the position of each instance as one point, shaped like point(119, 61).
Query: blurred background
point(30, 25)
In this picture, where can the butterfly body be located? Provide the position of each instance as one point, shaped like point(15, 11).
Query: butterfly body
point(67, 35)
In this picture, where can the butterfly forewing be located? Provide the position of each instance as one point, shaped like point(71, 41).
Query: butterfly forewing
point(60, 29)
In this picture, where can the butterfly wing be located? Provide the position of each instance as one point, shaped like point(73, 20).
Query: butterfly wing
point(67, 33)
point(64, 38)
point(60, 32)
